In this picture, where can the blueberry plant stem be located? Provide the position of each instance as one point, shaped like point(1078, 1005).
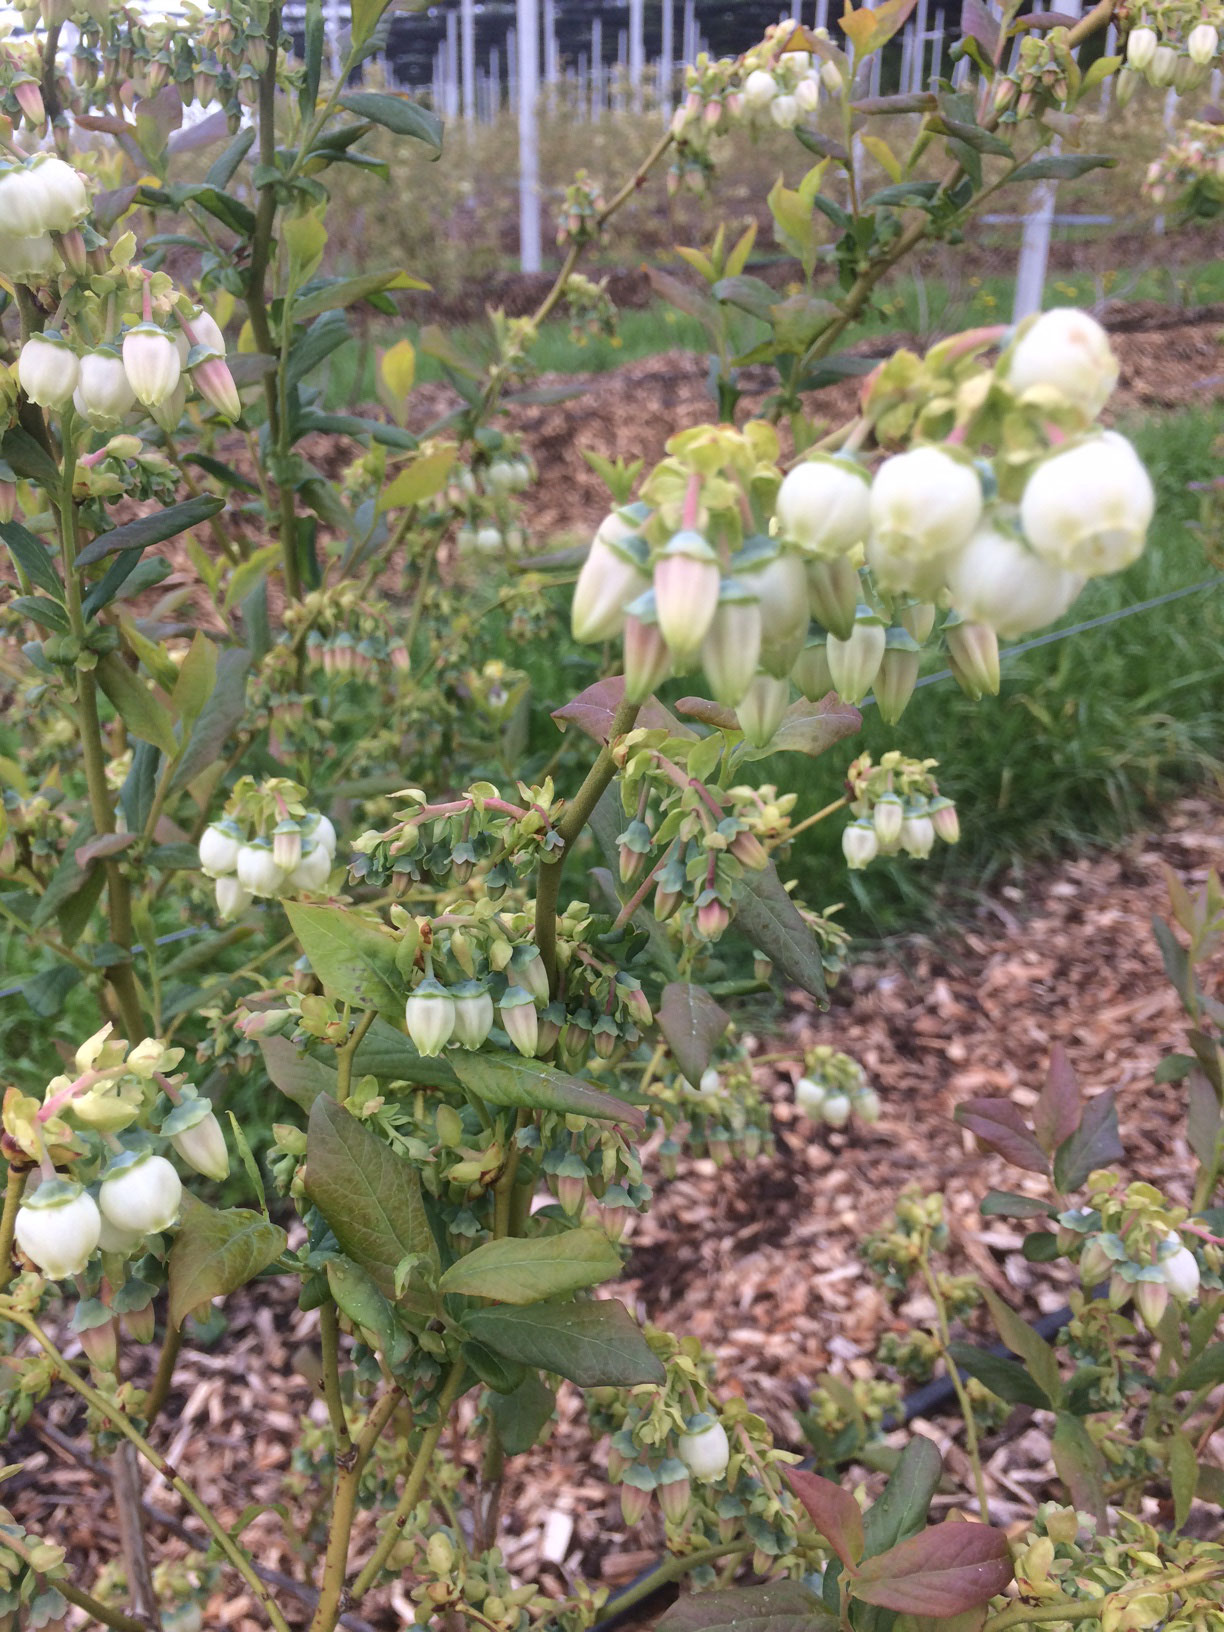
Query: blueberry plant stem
point(577, 814)
point(673, 1569)
point(164, 1376)
point(350, 1467)
point(329, 1341)
point(1094, 1609)
point(14, 1187)
point(108, 1409)
point(107, 1614)
point(944, 1335)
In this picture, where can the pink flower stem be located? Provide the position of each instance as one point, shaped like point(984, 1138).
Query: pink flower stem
point(692, 501)
point(65, 1095)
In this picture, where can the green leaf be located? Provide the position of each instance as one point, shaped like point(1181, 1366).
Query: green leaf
point(126, 572)
point(1029, 1345)
point(366, 15)
point(152, 529)
point(250, 572)
point(748, 294)
point(398, 114)
point(1006, 1378)
point(197, 680)
point(596, 1344)
point(493, 1370)
point(521, 1415)
point(942, 1571)
point(1062, 166)
point(528, 1271)
point(502, 1079)
point(345, 292)
point(1176, 960)
point(420, 480)
point(136, 705)
point(33, 557)
point(902, 1508)
point(222, 206)
point(1080, 1465)
point(47, 614)
point(385, 1053)
point(355, 1292)
point(1006, 1204)
point(692, 1024)
point(300, 1077)
point(1183, 1476)
point(29, 458)
point(778, 1606)
point(224, 168)
point(353, 957)
point(1205, 1372)
point(323, 336)
point(833, 1511)
point(774, 924)
point(1094, 1144)
point(369, 1195)
point(218, 719)
point(216, 1252)
point(250, 1165)
point(973, 136)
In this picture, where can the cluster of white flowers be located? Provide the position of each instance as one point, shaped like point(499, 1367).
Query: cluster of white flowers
point(43, 202)
point(776, 81)
point(897, 808)
point(482, 501)
point(436, 1015)
point(1173, 1273)
point(296, 856)
point(147, 364)
point(918, 534)
point(1170, 51)
point(61, 1223)
point(833, 1088)
point(1194, 161)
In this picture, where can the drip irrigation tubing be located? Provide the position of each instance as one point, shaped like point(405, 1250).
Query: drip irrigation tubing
point(927, 680)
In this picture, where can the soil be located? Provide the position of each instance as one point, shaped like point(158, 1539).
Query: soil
point(757, 1259)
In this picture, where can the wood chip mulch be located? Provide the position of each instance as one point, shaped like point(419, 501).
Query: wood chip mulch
point(758, 1259)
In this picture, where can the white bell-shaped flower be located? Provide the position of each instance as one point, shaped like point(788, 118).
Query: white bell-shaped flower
point(58, 1227)
point(824, 506)
point(151, 362)
point(104, 394)
point(997, 579)
point(1068, 351)
point(142, 1195)
point(704, 1448)
point(48, 369)
point(1088, 509)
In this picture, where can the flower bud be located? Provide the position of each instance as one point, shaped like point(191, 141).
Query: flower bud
point(781, 585)
point(527, 970)
point(28, 93)
point(28, 260)
point(760, 88)
point(686, 587)
point(1068, 351)
point(887, 817)
point(58, 1228)
point(898, 675)
point(287, 844)
point(317, 829)
point(761, 709)
point(996, 579)
point(824, 506)
point(1095, 1264)
point(104, 394)
point(918, 620)
point(647, 659)
point(811, 672)
point(833, 594)
point(712, 917)
point(257, 868)
point(612, 575)
point(667, 901)
point(48, 370)
point(313, 870)
point(65, 197)
point(213, 380)
point(867, 1106)
point(151, 363)
point(807, 95)
point(101, 1346)
point(1141, 46)
point(860, 846)
point(203, 1147)
point(944, 819)
point(674, 1490)
point(810, 1094)
point(917, 832)
point(924, 505)
point(973, 653)
point(1180, 1270)
point(1162, 70)
point(704, 1448)
point(637, 1487)
point(429, 1016)
point(836, 1109)
point(732, 648)
point(572, 1179)
point(473, 1013)
point(784, 110)
point(749, 851)
point(1126, 85)
point(1203, 44)
point(854, 663)
point(233, 898)
point(520, 1021)
point(141, 1194)
point(1151, 1300)
point(1088, 509)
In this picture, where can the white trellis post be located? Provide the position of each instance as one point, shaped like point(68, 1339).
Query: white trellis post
point(906, 82)
point(467, 57)
point(552, 57)
point(822, 14)
point(936, 51)
point(333, 25)
point(1035, 239)
point(597, 69)
point(667, 53)
point(452, 64)
point(689, 47)
point(920, 45)
point(512, 68)
point(495, 90)
point(1111, 46)
point(530, 251)
point(637, 51)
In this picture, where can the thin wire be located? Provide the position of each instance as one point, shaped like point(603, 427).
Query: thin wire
point(869, 702)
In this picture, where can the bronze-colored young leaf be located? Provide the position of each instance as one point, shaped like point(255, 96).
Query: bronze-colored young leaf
point(998, 1124)
point(1095, 1143)
point(1056, 1114)
point(592, 712)
point(870, 29)
point(942, 1571)
point(778, 1606)
point(216, 1252)
point(833, 1511)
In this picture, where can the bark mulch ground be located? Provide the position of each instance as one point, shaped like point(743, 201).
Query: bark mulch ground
point(758, 1259)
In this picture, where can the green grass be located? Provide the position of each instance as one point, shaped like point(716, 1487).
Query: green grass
point(1088, 738)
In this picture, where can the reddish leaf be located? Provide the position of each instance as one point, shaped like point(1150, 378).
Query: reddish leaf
point(872, 27)
point(709, 713)
point(1056, 1114)
point(833, 1511)
point(1000, 1127)
point(942, 1571)
point(102, 844)
point(1095, 1143)
point(592, 711)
